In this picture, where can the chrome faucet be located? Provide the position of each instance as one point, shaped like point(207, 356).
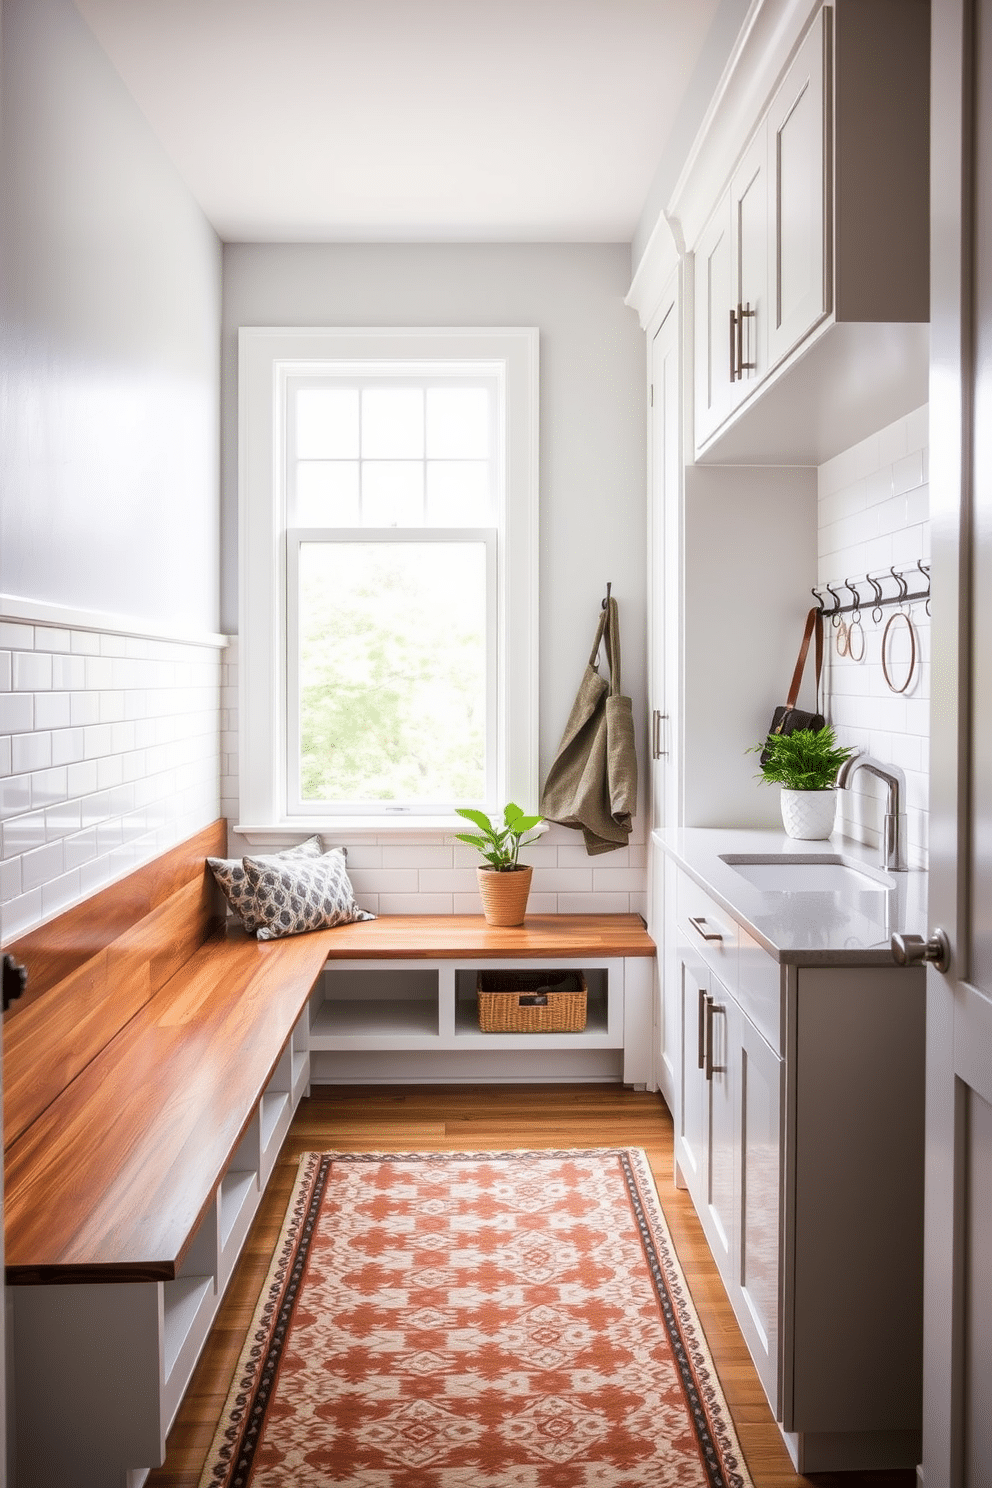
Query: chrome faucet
point(894, 829)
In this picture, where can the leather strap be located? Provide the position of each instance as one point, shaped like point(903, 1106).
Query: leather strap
point(814, 623)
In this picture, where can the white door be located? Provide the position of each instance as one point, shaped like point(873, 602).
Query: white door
point(957, 1418)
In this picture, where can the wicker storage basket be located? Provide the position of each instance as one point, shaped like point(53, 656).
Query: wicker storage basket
point(531, 1001)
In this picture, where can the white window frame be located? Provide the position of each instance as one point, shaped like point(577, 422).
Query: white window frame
point(268, 356)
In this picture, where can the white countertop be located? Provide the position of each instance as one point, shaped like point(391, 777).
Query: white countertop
point(805, 927)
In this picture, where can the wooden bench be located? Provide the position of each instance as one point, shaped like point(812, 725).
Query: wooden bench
point(151, 1072)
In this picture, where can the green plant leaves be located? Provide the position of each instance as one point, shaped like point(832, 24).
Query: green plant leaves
point(807, 759)
point(499, 846)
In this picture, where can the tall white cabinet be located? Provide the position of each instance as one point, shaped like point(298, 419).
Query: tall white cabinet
point(784, 298)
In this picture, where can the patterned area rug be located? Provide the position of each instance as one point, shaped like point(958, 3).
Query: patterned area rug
point(508, 1320)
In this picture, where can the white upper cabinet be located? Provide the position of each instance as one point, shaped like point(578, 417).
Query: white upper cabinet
point(795, 138)
point(821, 236)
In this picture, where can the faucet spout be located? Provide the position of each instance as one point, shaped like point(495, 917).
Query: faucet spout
point(895, 826)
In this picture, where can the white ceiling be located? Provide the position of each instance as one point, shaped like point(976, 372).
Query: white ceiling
point(410, 120)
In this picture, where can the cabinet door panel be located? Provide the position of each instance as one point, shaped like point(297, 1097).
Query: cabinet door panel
point(720, 1040)
point(749, 197)
point(796, 137)
point(690, 1116)
point(713, 298)
point(760, 1118)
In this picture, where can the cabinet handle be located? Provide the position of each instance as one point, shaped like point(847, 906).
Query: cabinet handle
point(734, 374)
point(709, 1038)
point(656, 721)
point(744, 312)
point(698, 923)
point(701, 1029)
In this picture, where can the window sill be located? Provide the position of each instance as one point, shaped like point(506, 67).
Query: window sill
point(352, 828)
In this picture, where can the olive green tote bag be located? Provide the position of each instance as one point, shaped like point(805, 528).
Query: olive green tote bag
point(592, 784)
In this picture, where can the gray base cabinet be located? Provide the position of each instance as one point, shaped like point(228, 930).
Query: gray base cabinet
point(799, 1135)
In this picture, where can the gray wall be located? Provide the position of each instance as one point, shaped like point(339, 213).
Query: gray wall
point(593, 427)
point(109, 383)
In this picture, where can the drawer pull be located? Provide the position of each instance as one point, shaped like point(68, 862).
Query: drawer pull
point(698, 923)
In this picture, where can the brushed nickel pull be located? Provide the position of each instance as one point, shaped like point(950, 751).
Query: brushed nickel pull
point(701, 1029)
point(734, 374)
point(709, 1037)
point(744, 312)
point(657, 718)
point(698, 923)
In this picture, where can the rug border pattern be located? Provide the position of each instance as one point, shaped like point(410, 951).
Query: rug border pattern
point(231, 1456)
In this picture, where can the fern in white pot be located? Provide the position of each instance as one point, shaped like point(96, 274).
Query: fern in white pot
point(805, 765)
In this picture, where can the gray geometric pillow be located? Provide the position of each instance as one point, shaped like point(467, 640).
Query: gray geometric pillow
point(230, 874)
point(302, 894)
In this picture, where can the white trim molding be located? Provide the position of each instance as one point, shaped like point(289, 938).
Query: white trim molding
point(24, 611)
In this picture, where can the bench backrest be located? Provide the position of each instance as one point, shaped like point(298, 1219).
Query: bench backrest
point(93, 967)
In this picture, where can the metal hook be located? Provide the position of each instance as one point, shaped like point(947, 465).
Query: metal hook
point(903, 586)
point(835, 612)
point(606, 601)
point(876, 612)
point(857, 600)
point(925, 571)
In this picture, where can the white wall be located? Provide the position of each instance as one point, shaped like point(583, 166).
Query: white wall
point(109, 478)
point(111, 307)
point(593, 440)
point(874, 513)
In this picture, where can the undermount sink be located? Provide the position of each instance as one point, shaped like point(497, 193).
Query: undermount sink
point(794, 873)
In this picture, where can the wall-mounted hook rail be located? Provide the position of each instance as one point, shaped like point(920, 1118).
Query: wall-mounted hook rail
point(877, 597)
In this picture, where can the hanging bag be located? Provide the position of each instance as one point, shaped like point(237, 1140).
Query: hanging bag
point(788, 718)
point(592, 783)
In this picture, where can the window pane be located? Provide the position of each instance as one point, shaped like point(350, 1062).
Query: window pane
point(393, 423)
point(326, 494)
point(327, 424)
point(392, 672)
point(392, 493)
point(458, 423)
point(458, 493)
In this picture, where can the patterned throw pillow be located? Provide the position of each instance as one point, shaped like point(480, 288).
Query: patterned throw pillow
point(230, 874)
point(304, 894)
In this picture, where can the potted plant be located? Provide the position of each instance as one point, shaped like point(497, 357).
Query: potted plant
point(505, 883)
point(805, 764)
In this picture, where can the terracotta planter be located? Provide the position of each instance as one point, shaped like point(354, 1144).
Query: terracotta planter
point(809, 815)
point(504, 895)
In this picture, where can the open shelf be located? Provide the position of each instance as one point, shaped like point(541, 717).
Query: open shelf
point(184, 1299)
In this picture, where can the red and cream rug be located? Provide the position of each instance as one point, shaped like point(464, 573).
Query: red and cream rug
point(456, 1320)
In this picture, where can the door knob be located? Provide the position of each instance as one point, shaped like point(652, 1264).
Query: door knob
point(913, 950)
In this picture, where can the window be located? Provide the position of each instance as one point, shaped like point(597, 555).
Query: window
point(388, 575)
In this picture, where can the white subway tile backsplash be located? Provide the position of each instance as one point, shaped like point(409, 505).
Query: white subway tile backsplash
point(71, 768)
point(32, 671)
point(874, 514)
point(30, 752)
point(16, 713)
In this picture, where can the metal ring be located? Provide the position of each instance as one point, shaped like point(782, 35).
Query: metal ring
point(899, 615)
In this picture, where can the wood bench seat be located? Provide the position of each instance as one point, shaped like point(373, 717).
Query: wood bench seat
point(150, 1075)
point(146, 1129)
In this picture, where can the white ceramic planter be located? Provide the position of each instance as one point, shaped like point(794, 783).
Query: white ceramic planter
point(809, 815)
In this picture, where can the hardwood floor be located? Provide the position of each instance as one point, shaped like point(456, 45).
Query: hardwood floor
point(490, 1118)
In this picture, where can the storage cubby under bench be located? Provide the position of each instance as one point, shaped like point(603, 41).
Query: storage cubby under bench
point(151, 1072)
